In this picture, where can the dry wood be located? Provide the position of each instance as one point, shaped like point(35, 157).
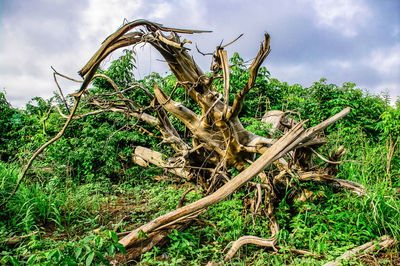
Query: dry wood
point(286, 143)
point(240, 96)
point(143, 156)
point(267, 158)
point(270, 242)
point(383, 242)
point(182, 199)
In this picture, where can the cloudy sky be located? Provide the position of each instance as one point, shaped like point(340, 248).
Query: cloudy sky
point(342, 40)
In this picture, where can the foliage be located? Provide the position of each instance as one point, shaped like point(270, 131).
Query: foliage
point(91, 250)
point(40, 203)
point(75, 177)
point(11, 121)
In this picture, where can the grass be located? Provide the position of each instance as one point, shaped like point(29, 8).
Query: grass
point(65, 215)
point(52, 201)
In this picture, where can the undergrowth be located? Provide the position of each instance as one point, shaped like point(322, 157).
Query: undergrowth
point(84, 190)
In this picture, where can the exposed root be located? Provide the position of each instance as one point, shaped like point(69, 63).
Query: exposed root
point(269, 242)
point(383, 242)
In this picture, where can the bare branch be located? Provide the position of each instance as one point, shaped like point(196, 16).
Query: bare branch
point(184, 114)
point(60, 90)
point(240, 96)
point(223, 62)
point(180, 203)
point(237, 38)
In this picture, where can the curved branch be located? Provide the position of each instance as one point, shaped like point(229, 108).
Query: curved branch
point(241, 95)
point(151, 120)
point(114, 42)
point(187, 116)
point(127, 102)
point(269, 242)
point(60, 90)
point(323, 158)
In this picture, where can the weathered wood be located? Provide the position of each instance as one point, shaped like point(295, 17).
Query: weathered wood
point(383, 242)
point(143, 156)
point(285, 144)
point(276, 150)
point(244, 240)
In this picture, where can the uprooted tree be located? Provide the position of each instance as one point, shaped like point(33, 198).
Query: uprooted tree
point(219, 141)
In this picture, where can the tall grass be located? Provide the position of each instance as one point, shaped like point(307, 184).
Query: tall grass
point(368, 166)
point(52, 201)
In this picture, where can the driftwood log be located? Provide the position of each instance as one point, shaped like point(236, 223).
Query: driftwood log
point(219, 141)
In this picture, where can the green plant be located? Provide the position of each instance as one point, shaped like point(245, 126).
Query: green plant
point(91, 250)
point(91, 165)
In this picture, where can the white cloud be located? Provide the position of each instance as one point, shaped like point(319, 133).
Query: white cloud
point(162, 11)
point(386, 61)
point(346, 16)
point(35, 36)
point(303, 73)
point(342, 64)
point(103, 17)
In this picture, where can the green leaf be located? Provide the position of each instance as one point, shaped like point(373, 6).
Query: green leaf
point(14, 261)
point(31, 259)
point(89, 258)
point(78, 252)
point(101, 257)
point(111, 251)
point(51, 254)
point(99, 241)
point(120, 247)
point(113, 236)
point(142, 235)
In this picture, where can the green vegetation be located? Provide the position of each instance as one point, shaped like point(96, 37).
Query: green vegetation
point(84, 189)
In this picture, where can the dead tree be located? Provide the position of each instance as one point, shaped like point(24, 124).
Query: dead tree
point(219, 141)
